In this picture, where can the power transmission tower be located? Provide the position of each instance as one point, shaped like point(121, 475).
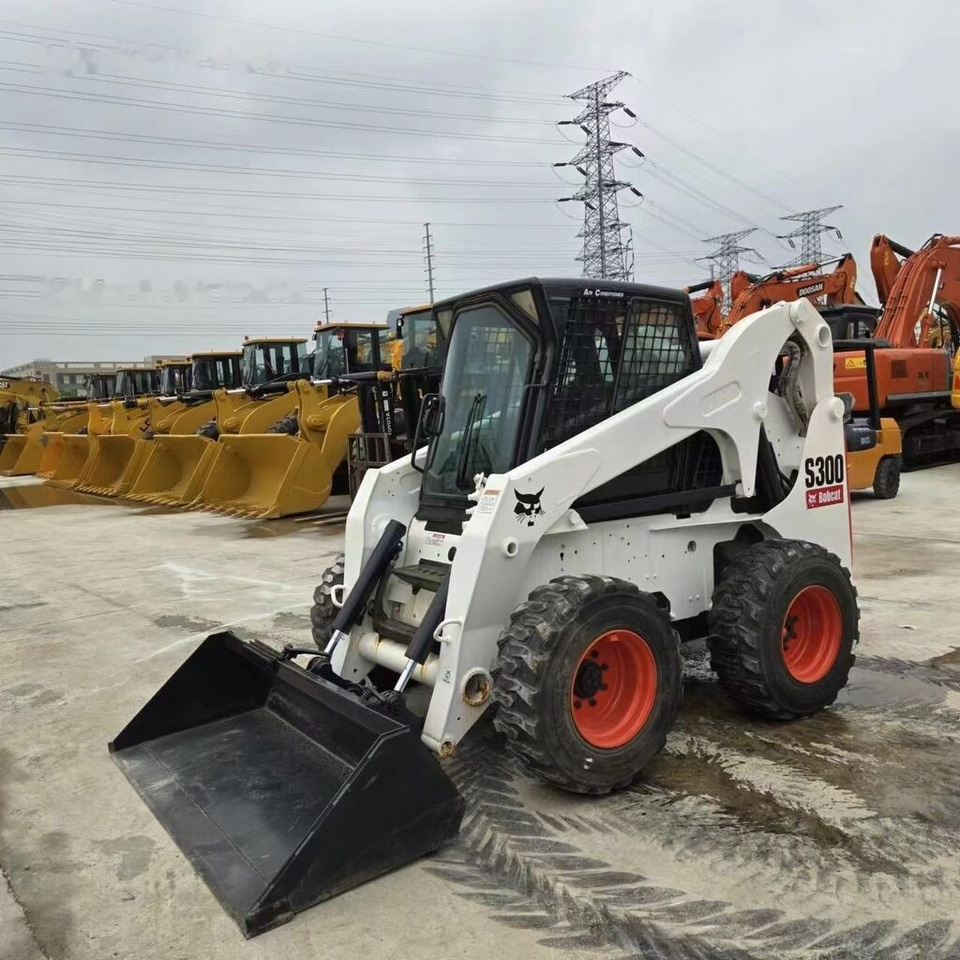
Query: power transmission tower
point(725, 260)
point(604, 255)
point(428, 247)
point(326, 304)
point(809, 232)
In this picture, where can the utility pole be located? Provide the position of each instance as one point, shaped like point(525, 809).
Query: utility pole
point(809, 232)
point(726, 258)
point(326, 305)
point(604, 255)
point(428, 246)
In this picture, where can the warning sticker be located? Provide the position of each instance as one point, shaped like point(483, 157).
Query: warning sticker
point(488, 501)
point(825, 496)
point(854, 363)
point(435, 539)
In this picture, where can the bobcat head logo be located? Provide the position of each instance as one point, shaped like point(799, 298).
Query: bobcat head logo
point(527, 507)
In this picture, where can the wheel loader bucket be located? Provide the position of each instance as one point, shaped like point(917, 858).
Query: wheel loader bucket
point(68, 454)
point(266, 476)
point(13, 463)
point(282, 789)
point(135, 463)
point(174, 470)
point(108, 460)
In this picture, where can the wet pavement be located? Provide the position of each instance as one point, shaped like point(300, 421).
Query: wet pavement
point(837, 836)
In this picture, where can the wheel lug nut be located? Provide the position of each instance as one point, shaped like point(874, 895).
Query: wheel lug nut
point(577, 704)
point(592, 702)
point(604, 666)
point(603, 686)
point(594, 653)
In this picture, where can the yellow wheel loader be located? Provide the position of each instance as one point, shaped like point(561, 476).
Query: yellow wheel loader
point(281, 467)
point(70, 457)
point(179, 462)
point(62, 418)
point(590, 488)
point(20, 402)
point(180, 408)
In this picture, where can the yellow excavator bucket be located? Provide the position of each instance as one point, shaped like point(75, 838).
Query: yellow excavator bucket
point(273, 475)
point(174, 470)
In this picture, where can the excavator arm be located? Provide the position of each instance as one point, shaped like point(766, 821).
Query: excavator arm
point(708, 307)
point(885, 263)
point(793, 283)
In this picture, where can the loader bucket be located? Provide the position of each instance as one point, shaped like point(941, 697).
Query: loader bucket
point(141, 451)
point(266, 476)
point(174, 470)
point(67, 467)
point(109, 456)
point(282, 789)
point(11, 453)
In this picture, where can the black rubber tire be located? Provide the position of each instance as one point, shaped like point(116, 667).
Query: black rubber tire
point(886, 481)
point(287, 425)
point(210, 430)
point(538, 653)
point(750, 603)
point(323, 612)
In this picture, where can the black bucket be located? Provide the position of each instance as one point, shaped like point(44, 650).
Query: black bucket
point(281, 788)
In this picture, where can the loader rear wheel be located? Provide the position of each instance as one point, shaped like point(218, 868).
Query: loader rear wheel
point(783, 626)
point(323, 612)
point(886, 481)
point(587, 683)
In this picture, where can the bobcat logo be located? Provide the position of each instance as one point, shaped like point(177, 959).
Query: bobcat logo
point(528, 506)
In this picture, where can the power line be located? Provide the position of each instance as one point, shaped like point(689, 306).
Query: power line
point(726, 258)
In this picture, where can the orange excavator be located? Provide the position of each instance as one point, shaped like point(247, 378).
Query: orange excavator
point(707, 308)
point(916, 338)
point(751, 293)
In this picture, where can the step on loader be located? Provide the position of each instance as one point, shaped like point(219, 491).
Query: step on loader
point(179, 462)
point(590, 487)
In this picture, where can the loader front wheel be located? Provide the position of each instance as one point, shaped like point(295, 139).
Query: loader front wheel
point(587, 683)
point(323, 612)
point(783, 627)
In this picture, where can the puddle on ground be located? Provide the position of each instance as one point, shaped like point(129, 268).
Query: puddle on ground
point(31, 496)
point(192, 624)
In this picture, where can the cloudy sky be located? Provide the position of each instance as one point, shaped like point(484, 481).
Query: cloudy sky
point(176, 175)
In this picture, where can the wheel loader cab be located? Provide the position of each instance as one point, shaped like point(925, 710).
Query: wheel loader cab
point(266, 359)
point(100, 386)
point(175, 378)
point(215, 371)
point(134, 382)
point(531, 365)
point(347, 348)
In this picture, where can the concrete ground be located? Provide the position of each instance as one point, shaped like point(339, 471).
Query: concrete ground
point(838, 836)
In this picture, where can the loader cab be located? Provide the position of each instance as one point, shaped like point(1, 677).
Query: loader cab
point(268, 359)
point(532, 364)
point(347, 348)
point(136, 382)
point(215, 371)
point(99, 386)
point(175, 377)
point(419, 341)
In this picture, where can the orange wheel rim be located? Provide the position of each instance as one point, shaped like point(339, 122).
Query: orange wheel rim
point(812, 632)
point(614, 689)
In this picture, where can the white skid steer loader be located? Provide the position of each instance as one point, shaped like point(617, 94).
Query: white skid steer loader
point(592, 487)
